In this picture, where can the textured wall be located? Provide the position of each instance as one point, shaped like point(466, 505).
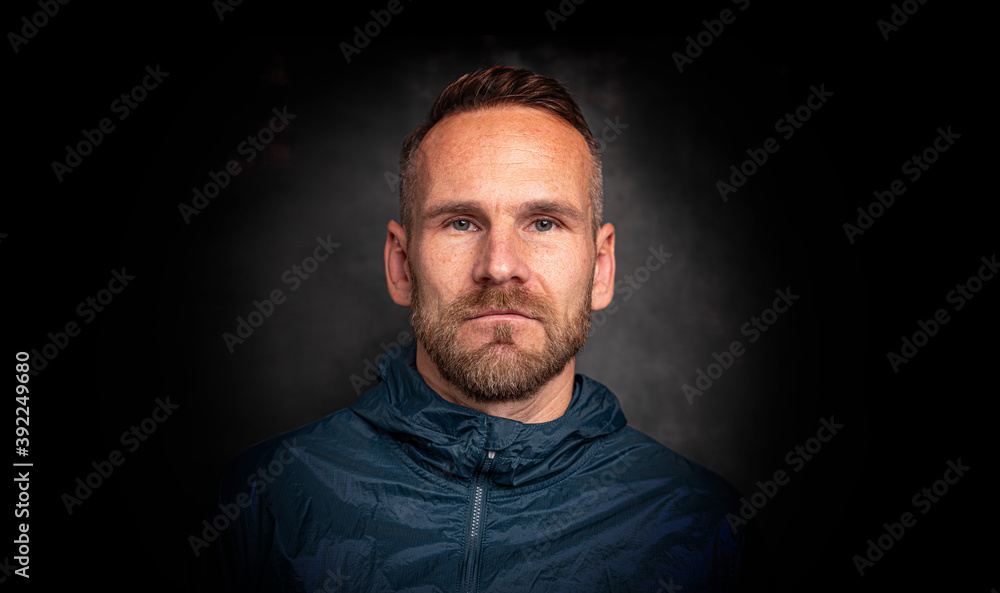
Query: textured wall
point(330, 175)
point(867, 100)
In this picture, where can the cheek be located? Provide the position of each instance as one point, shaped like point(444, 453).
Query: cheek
point(567, 283)
point(441, 279)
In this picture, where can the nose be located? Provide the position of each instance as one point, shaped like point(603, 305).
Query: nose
point(501, 258)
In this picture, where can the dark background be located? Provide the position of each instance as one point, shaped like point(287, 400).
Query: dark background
point(330, 175)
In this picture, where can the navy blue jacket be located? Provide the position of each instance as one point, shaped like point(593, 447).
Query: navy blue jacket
point(406, 492)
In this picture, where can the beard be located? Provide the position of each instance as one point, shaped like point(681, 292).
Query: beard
point(500, 370)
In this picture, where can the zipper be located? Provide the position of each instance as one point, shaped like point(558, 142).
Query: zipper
point(476, 524)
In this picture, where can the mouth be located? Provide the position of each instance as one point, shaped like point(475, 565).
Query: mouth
point(501, 315)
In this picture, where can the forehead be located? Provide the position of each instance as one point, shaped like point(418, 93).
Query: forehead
point(504, 152)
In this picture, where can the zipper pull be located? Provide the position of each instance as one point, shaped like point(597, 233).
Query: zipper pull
point(490, 454)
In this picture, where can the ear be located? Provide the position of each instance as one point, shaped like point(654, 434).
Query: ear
point(604, 269)
point(397, 272)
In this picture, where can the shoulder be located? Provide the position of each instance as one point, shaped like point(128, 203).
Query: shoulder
point(336, 440)
point(689, 512)
point(642, 464)
point(667, 463)
point(660, 473)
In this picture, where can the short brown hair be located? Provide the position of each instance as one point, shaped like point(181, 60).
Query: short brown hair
point(499, 86)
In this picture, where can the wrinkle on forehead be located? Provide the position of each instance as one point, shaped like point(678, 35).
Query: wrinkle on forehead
point(519, 123)
point(541, 146)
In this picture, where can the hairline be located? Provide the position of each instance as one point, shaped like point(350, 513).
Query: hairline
point(591, 220)
point(409, 178)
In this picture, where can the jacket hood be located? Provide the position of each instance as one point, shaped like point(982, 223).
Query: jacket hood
point(451, 439)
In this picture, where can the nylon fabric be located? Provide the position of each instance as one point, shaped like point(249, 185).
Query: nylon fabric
point(377, 498)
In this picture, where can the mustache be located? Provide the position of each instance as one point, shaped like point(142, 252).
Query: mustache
point(515, 297)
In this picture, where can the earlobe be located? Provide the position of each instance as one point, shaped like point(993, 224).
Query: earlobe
point(604, 269)
point(397, 271)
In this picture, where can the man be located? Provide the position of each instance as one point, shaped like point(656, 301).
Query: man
point(482, 461)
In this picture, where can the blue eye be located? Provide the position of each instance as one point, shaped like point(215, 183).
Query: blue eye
point(544, 225)
point(461, 225)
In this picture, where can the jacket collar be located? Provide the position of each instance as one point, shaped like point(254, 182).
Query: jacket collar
point(451, 439)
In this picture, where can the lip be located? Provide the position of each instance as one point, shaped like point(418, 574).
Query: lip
point(501, 314)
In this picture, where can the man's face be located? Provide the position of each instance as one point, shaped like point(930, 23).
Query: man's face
point(501, 255)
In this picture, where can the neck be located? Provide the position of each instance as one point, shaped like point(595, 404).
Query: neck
point(551, 401)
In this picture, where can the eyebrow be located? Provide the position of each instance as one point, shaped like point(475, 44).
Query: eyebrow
point(452, 207)
point(554, 208)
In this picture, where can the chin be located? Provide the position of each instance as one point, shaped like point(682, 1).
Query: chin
point(501, 332)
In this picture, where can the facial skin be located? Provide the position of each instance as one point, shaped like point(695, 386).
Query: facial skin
point(501, 268)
